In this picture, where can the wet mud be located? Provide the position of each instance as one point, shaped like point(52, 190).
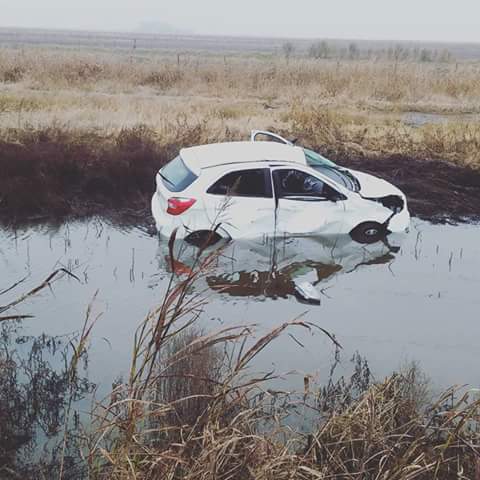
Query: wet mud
point(56, 178)
point(436, 190)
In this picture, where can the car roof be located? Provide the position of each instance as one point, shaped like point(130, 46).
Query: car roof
point(215, 154)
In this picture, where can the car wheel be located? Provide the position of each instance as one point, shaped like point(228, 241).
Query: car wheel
point(368, 232)
point(203, 238)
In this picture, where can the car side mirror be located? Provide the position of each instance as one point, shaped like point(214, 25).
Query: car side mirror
point(333, 196)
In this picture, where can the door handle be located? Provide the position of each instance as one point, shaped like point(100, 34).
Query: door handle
point(307, 199)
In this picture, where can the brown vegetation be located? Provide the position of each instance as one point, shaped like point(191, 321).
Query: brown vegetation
point(238, 429)
point(51, 173)
point(394, 83)
point(84, 132)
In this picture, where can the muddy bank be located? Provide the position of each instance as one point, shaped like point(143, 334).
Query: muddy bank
point(436, 190)
point(54, 174)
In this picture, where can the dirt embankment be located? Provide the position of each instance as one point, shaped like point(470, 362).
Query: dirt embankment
point(51, 175)
point(55, 174)
point(436, 190)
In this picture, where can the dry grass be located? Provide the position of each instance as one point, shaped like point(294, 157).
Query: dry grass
point(347, 134)
point(111, 91)
point(244, 77)
point(86, 130)
point(238, 429)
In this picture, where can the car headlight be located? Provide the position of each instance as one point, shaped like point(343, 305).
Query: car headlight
point(395, 203)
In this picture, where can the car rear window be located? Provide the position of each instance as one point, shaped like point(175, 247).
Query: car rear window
point(176, 176)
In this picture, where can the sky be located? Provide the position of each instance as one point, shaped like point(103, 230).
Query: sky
point(435, 20)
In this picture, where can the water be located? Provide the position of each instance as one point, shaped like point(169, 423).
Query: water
point(419, 119)
point(419, 304)
point(414, 299)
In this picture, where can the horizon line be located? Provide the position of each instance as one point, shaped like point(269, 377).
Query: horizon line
point(238, 36)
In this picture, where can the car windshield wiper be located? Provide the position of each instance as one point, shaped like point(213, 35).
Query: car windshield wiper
point(353, 179)
point(166, 179)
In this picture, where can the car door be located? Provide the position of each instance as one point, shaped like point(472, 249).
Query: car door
point(305, 204)
point(242, 200)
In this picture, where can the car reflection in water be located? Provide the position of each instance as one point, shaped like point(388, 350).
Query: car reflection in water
point(271, 267)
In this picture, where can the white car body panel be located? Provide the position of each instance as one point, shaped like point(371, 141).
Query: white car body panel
point(248, 217)
point(240, 217)
point(216, 154)
point(255, 217)
point(306, 218)
point(374, 187)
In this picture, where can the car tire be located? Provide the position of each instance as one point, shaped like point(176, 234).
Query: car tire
point(203, 238)
point(368, 232)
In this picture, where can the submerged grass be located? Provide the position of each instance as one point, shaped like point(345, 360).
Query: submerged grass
point(193, 409)
point(37, 397)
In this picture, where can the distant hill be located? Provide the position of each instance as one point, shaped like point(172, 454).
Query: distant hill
point(160, 28)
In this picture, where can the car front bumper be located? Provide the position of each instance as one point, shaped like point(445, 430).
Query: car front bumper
point(400, 222)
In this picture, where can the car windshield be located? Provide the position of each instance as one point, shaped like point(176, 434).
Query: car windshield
point(176, 176)
point(340, 176)
point(315, 159)
point(331, 170)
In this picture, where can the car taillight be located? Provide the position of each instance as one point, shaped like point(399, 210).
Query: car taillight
point(177, 205)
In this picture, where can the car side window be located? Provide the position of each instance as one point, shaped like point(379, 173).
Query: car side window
point(244, 183)
point(294, 183)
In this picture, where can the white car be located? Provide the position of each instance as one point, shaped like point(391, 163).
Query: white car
point(258, 188)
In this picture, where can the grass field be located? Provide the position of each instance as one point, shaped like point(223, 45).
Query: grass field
point(378, 107)
point(116, 103)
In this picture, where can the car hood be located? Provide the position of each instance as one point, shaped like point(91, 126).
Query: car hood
point(373, 187)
